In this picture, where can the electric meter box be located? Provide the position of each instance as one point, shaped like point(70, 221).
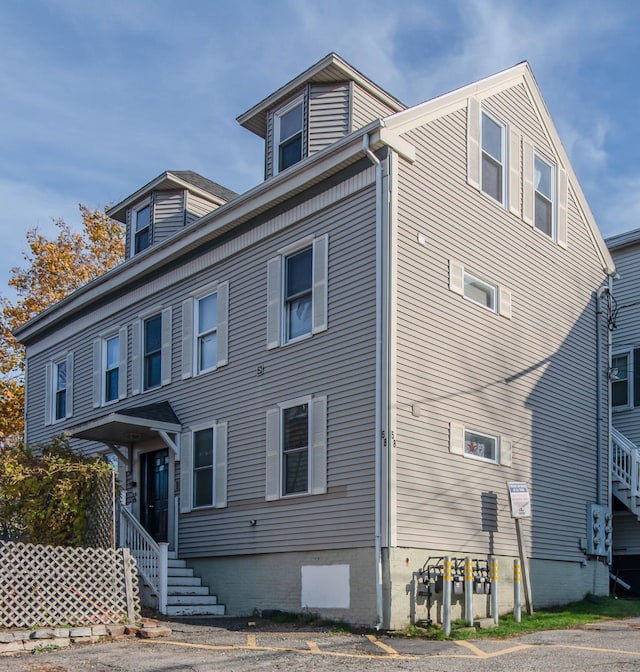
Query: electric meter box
point(598, 530)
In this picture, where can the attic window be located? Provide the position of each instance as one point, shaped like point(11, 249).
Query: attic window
point(141, 222)
point(287, 135)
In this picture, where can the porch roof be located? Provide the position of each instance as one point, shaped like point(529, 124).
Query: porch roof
point(130, 425)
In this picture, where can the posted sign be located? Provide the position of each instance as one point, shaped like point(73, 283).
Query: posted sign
point(520, 500)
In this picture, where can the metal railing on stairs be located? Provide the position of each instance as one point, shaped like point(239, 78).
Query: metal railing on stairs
point(625, 469)
point(151, 556)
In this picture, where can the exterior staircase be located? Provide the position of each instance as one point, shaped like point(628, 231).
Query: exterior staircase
point(625, 471)
point(186, 596)
point(166, 583)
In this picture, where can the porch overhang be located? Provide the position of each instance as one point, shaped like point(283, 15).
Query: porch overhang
point(129, 426)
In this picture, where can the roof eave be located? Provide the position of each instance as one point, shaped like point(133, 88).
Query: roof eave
point(253, 202)
point(119, 211)
point(254, 119)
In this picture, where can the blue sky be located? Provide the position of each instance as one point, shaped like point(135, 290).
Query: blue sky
point(100, 97)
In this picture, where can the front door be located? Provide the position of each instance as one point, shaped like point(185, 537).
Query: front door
point(155, 493)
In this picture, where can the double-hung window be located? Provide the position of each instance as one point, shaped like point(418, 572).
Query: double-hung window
point(296, 462)
point(141, 227)
point(152, 352)
point(207, 332)
point(110, 367)
point(59, 389)
point(493, 158)
point(287, 131)
point(205, 317)
point(297, 292)
point(620, 380)
point(151, 342)
point(544, 185)
point(203, 469)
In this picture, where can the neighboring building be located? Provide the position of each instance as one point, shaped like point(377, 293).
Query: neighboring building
point(317, 385)
point(625, 406)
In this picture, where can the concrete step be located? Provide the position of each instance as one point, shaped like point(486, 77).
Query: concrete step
point(196, 610)
point(185, 572)
point(193, 600)
point(178, 564)
point(184, 580)
point(187, 590)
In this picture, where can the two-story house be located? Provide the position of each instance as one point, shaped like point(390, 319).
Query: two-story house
point(316, 385)
point(624, 317)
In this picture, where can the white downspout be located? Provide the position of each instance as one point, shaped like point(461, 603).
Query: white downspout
point(609, 419)
point(379, 391)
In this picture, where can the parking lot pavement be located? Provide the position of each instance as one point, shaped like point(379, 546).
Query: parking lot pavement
point(251, 646)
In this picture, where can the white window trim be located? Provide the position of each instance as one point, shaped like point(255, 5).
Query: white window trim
point(100, 397)
point(554, 196)
point(457, 444)
point(134, 214)
point(197, 335)
point(630, 363)
point(491, 288)
point(276, 313)
point(275, 158)
point(316, 447)
point(51, 371)
point(137, 355)
point(190, 329)
point(502, 296)
point(504, 159)
point(220, 460)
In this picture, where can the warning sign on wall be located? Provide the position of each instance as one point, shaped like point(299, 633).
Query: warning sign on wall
point(520, 500)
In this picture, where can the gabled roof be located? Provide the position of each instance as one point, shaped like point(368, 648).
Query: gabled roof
point(331, 68)
point(625, 239)
point(175, 179)
point(413, 117)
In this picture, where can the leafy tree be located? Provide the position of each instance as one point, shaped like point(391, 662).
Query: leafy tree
point(54, 268)
point(46, 495)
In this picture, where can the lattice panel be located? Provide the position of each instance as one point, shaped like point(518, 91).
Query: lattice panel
point(100, 516)
point(60, 585)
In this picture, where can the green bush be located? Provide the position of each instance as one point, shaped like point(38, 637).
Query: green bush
point(45, 493)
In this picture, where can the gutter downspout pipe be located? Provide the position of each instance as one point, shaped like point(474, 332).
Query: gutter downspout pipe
point(380, 396)
point(599, 380)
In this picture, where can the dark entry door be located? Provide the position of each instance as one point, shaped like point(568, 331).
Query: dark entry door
point(155, 493)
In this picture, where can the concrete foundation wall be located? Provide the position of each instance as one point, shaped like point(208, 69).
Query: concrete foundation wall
point(296, 582)
point(552, 583)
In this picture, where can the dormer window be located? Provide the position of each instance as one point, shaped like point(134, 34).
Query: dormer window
point(141, 225)
point(287, 133)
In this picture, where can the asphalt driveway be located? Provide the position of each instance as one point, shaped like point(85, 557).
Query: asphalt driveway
point(241, 645)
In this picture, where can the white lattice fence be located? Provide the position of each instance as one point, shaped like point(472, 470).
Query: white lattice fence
point(61, 585)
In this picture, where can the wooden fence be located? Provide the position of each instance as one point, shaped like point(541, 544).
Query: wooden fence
point(60, 585)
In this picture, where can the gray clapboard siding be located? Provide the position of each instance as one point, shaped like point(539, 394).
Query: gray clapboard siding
point(328, 114)
point(168, 214)
point(517, 378)
point(197, 207)
point(366, 108)
point(235, 394)
point(626, 289)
